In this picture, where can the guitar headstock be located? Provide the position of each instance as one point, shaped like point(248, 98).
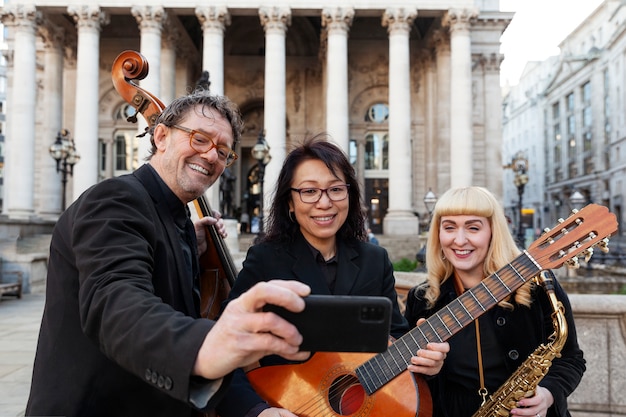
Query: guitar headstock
point(579, 232)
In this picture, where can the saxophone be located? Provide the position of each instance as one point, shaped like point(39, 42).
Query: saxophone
point(524, 381)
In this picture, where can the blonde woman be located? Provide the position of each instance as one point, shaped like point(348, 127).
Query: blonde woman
point(469, 240)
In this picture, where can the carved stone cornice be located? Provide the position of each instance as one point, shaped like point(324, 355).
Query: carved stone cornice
point(171, 35)
point(440, 40)
point(399, 18)
point(460, 19)
point(53, 36)
point(275, 18)
point(25, 15)
point(213, 17)
point(149, 17)
point(489, 63)
point(373, 73)
point(337, 18)
point(88, 16)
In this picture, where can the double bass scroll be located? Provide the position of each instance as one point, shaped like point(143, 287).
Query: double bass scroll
point(218, 269)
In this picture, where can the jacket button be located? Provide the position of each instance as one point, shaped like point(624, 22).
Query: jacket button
point(160, 381)
point(514, 354)
point(148, 374)
point(153, 377)
point(168, 383)
point(501, 321)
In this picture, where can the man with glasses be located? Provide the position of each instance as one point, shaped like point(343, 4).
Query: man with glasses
point(121, 333)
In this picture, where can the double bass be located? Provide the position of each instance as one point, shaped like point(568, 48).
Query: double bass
point(217, 266)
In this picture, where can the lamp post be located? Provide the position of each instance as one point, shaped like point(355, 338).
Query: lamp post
point(430, 199)
point(577, 200)
point(63, 151)
point(519, 165)
point(261, 152)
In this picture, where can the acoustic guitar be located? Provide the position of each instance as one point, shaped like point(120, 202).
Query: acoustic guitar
point(357, 384)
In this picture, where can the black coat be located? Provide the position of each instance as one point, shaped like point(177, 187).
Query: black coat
point(519, 332)
point(119, 335)
point(363, 269)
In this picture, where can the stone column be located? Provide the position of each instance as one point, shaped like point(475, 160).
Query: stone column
point(441, 43)
point(150, 20)
point(493, 125)
point(461, 144)
point(399, 219)
point(50, 191)
point(171, 38)
point(275, 21)
point(19, 177)
point(337, 21)
point(89, 20)
point(214, 20)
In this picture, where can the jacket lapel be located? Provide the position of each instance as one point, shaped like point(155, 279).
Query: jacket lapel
point(165, 216)
point(347, 269)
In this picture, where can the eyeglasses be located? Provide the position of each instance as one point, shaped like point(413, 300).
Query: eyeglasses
point(313, 195)
point(201, 143)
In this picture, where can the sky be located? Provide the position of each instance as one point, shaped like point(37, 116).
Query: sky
point(536, 31)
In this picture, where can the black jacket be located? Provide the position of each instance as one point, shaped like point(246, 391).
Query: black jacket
point(119, 334)
point(363, 269)
point(519, 333)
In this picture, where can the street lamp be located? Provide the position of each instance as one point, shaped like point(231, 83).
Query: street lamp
point(430, 199)
point(519, 165)
point(261, 152)
point(64, 153)
point(577, 200)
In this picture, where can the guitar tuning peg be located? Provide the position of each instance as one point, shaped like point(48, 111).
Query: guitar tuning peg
point(588, 253)
point(574, 211)
point(572, 263)
point(604, 245)
point(561, 220)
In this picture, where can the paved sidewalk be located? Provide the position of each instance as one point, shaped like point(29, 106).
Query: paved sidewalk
point(19, 329)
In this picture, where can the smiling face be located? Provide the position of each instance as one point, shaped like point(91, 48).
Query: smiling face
point(319, 222)
point(465, 242)
point(186, 172)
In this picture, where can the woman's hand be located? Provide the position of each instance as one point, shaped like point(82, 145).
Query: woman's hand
point(535, 406)
point(201, 232)
point(430, 360)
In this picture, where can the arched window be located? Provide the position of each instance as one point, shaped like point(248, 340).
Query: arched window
point(377, 138)
point(119, 154)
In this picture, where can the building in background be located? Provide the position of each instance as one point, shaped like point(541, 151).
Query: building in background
point(409, 91)
point(568, 115)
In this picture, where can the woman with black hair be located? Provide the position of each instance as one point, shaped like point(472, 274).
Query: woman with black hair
point(316, 234)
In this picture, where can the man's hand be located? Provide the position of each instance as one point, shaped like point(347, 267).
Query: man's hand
point(430, 360)
point(201, 232)
point(244, 333)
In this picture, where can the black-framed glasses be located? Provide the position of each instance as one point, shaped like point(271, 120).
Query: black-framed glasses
point(313, 195)
point(201, 143)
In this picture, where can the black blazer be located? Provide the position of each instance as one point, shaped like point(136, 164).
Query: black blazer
point(119, 335)
point(363, 269)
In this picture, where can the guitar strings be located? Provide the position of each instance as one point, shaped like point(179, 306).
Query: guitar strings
point(345, 400)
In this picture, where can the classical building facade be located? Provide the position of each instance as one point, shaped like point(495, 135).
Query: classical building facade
point(567, 115)
point(411, 92)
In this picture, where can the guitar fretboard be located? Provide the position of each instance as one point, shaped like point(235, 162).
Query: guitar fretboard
point(442, 325)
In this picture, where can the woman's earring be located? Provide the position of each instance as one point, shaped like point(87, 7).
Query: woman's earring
point(292, 216)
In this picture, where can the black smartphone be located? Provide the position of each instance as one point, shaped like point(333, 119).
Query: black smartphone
point(341, 323)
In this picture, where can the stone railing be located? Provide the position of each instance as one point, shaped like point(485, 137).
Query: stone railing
point(601, 326)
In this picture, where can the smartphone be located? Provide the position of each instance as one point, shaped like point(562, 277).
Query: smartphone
point(341, 323)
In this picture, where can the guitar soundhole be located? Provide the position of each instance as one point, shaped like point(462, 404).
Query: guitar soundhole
point(346, 395)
